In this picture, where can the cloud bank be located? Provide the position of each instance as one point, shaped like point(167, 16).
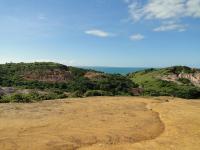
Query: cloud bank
point(163, 10)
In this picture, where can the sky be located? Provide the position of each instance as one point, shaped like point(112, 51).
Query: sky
point(123, 33)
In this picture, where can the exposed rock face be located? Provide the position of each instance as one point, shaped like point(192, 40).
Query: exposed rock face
point(171, 77)
point(137, 91)
point(193, 77)
point(50, 76)
point(6, 90)
point(92, 75)
point(1, 92)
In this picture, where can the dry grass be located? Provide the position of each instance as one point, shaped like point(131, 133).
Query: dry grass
point(101, 123)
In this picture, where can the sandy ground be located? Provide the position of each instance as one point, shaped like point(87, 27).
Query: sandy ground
point(101, 123)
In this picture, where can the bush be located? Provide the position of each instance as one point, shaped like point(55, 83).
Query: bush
point(184, 81)
point(16, 98)
point(166, 88)
point(97, 93)
point(76, 94)
point(31, 97)
point(188, 92)
point(115, 84)
point(3, 99)
point(14, 75)
point(180, 69)
point(80, 84)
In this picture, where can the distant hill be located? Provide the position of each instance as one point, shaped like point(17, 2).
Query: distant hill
point(28, 82)
point(178, 81)
point(48, 80)
point(40, 71)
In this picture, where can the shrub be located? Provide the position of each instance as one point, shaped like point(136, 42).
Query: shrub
point(166, 88)
point(31, 97)
point(184, 81)
point(16, 98)
point(188, 92)
point(13, 75)
point(3, 99)
point(76, 94)
point(181, 69)
point(97, 93)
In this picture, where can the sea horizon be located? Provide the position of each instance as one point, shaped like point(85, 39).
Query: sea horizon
point(115, 70)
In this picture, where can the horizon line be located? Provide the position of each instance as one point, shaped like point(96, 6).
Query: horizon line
point(104, 66)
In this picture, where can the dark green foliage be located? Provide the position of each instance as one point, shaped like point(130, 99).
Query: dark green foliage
point(112, 84)
point(31, 97)
point(187, 92)
point(16, 98)
point(152, 84)
point(13, 75)
point(185, 81)
point(97, 93)
point(77, 72)
point(180, 69)
point(115, 84)
point(81, 84)
point(165, 88)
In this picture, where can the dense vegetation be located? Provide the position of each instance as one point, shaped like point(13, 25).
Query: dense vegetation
point(52, 81)
point(151, 81)
point(43, 81)
point(30, 97)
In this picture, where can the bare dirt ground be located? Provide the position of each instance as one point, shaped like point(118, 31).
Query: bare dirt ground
point(101, 123)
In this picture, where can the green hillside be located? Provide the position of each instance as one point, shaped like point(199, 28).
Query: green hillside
point(40, 81)
point(173, 81)
point(29, 82)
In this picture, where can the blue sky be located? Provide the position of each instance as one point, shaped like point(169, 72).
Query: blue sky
point(137, 33)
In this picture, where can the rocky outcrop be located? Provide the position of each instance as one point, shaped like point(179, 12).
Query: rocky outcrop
point(171, 77)
point(1, 92)
point(137, 91)
point(92, 75)
point(193, 77)
point(7, 90)
point(49, 76)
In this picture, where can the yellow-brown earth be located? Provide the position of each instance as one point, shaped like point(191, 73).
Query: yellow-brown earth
point(101, 123)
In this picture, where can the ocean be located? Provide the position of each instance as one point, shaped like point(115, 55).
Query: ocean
point(116, 70)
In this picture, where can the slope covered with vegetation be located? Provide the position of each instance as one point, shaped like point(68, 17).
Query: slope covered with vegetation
point(40, 81)
point(179, 81)
point(27, 82)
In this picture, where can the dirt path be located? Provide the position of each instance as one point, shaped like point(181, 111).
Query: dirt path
point(111, 123)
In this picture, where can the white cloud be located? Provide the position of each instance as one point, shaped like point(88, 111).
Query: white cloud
point(169, 26)
point(98, 33)
point(137, 37)
point(193, 8)
point(163, 9)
